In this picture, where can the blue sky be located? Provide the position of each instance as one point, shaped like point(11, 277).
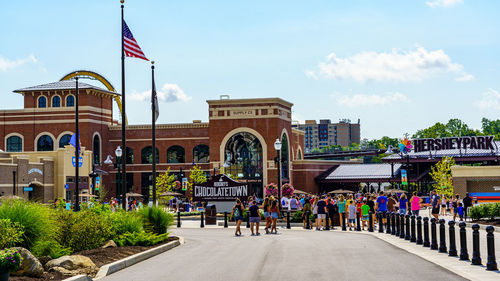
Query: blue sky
point(397, 65)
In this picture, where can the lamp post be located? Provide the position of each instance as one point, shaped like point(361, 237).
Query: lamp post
point(93, 175)
point(118, 153)
point(77, 151)
point(277, 146)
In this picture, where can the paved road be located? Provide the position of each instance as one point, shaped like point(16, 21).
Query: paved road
point(215, 254)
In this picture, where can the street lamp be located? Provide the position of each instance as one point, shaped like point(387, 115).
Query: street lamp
point(277, 146)
point(118, 153)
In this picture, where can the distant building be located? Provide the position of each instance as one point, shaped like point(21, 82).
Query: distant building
point(327, 133)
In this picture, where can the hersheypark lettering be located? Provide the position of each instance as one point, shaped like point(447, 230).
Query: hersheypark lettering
point(235, 191)
point(476, 142)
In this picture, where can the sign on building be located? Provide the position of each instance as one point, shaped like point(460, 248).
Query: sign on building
point(220, 188)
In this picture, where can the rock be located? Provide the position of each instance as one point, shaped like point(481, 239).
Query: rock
point(44, 259)
point(72, 265)
point(109, 244)
point(30, 265)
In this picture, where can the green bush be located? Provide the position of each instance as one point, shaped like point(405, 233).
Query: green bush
point(50, 248)
point(475, 213)
point(495, 210)
point(10, 260)
point(482, 211)
point(123, 222)
point(35, 219)
point(88, 231)
point(156, 219)
point(140, 239)
point(11, 233)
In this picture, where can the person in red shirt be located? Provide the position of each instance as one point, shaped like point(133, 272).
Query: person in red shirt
point(359, 203)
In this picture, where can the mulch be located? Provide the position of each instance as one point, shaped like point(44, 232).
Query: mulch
point(99, 256)
point(494, 222)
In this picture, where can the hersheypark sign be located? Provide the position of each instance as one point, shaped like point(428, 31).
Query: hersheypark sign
point(474, 142)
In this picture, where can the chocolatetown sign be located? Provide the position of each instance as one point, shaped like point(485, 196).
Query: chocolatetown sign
point(220, 188)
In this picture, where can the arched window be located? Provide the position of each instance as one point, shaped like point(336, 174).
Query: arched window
point(147, 155)
point(64, 140)
point(299, 155)
point(96, 149)
point(45, 143)
point(56, 101)
point(130, 155)
point(42, 102)
point(201, 154)
point(14, 144)
point(176, 154)
point(70, 100)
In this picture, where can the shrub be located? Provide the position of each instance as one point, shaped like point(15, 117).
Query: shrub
point(65, 221)
point(123, 222)
point(140, 239)
point(495, 210)
point(35, 219)
point(11, 233)
point(10, 260)
point(475, 213)
point(156, 219)
point(50, 248)
point(88, 231)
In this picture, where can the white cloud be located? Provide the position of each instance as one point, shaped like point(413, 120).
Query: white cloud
point(371, 100)
point(395, 66)
point(490, 100)
point(168, 93)
point(443, 3)
point(6, 64)
point(466, 77)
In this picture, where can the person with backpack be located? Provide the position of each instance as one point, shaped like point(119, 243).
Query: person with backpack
point(237, 214)
point(253, 212)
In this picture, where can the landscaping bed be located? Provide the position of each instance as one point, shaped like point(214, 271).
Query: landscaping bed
point(495, 222)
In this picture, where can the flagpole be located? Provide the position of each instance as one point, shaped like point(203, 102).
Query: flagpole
point(77, 152)
point(124, 144)
point(153, 128)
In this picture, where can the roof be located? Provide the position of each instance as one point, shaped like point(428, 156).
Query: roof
point(62, 85)
point(455, 153)
point(250, 101)
point(363, 171)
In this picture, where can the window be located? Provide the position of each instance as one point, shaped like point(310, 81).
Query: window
point(14, 144)
point(42, 102)
point(96, 149)
point(201, 154)
point(45, 143)
point(175, 154)
point(64, 140)
point(147, 155)
point(130, 155)
point(70, 100)
point(56, 101)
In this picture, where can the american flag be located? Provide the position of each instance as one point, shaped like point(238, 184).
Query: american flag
point(130, 46)
point(154, 101)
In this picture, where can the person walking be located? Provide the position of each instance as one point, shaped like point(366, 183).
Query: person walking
point(415, 204)
point(275, 214)
point(391, 203)
point(467, 201)
point(306, 212)
point(435, 205)
point(341, 207)
point(254, 217)
point(237, 214)
point(454, 205)
point(320, 225)
point(267, 213)
point(381, 206)
point(331, 210)
point(365, 211)
point(403, 204)
point(293, 204)
point(351, 212)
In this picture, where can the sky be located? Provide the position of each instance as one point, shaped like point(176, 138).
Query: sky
point(398, 66)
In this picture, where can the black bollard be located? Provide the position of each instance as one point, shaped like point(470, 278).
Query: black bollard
point(202, 222)
point(308, 223)
point(327, 223)
point(464, 255)
point(225, 220)
point(476, 255)
point(442, 237)
point(248, 219)
point(380, 223)
point(396, 216)
point(288, 220)
point(413, 237)
point(490, 241)
point(370, 222)
point(388, 229)
point(419, 231)
point(434, 242)
point(358, 222)
point(393, 222)
point(408, 233)
point(453, 247)
point(344, 227)
point(427, 243)
point(402, 227)
point(178, 219)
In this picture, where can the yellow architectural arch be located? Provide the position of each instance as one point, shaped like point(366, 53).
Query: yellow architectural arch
point(87, 74)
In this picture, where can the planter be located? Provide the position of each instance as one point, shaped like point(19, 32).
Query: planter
point(4, 275)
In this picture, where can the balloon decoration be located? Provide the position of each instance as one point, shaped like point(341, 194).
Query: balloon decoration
point(405, 146)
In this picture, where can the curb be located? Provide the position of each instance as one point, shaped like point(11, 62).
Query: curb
point(113, 267)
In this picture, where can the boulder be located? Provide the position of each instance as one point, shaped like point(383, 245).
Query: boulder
point(44, 259)
point(72, 265)
point(30, 265)
point(109, 244)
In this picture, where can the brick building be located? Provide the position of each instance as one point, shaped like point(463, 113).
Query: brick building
point(325, 133)
point(239, 136)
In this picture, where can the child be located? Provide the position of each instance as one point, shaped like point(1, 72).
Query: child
point(352, 214)
point(461, 211)
point(365, 210)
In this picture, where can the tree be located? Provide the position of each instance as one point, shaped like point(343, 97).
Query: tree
point(441, 174)
point(491, 127)
point(454, 128)
point(165, 182)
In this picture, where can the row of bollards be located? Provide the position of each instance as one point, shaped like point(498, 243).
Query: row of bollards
point(409, 227)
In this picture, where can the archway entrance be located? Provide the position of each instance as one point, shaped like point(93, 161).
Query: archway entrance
point(36, 194)
point(243, 161)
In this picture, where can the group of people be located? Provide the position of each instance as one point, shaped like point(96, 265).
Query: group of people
point(325, 207)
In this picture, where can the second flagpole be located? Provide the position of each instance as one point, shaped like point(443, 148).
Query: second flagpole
point(153, 129)
point(124, 144)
